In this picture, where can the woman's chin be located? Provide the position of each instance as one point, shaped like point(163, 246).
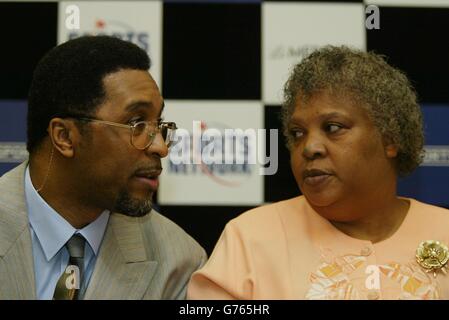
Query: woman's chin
point(322, 199)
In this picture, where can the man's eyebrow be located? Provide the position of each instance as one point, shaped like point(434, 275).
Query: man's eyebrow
point(137, 105)
point(142, 104)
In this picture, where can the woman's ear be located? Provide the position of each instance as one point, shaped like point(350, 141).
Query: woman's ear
point(391, 148)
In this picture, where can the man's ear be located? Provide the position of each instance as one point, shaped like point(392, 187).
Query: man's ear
point(64, 135)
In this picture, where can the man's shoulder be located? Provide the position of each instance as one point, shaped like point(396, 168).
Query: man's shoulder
point(13, 217)
point(176, 252)
point(164, 227)
point(12, 181)
point(166, 237)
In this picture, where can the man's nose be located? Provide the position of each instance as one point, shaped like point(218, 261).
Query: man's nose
point(158, 146)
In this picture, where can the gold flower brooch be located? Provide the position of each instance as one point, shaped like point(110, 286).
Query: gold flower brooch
point(432, 256)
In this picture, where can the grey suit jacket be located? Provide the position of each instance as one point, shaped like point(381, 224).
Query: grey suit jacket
point(139, 258)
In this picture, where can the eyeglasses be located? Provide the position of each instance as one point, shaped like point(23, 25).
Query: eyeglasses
point(143, 133)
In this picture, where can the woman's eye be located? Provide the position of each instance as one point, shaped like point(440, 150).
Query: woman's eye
point(333, 127)
point(296, 133)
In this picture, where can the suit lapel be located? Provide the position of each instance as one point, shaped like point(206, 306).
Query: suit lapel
point(16, 256)
point(122, 269)
point(17, 276)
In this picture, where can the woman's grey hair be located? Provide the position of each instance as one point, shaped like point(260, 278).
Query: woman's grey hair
point(364, 77)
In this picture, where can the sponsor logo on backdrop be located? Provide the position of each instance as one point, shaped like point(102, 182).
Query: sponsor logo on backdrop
point(225, 155)
point(436, 156)
point(138, 22)
point(118, 29)
point(283, 51)
point(211, 151)
point(13, 152)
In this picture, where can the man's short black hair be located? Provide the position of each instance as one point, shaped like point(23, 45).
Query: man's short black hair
point(69, 79)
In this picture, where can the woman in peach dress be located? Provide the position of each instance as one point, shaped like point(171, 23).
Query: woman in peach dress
point(353, 126)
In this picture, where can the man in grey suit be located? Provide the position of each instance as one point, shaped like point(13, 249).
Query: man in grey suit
point(76, 220)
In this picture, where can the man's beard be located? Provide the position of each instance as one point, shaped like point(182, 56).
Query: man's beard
point(132, 207)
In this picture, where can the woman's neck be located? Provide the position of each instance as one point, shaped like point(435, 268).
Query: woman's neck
point(378, 223)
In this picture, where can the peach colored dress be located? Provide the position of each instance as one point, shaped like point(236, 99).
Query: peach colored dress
point(286, 250)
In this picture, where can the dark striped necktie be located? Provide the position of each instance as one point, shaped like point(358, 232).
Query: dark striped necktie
point(68, 286)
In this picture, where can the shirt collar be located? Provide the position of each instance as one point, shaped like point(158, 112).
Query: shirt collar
point(94, 231)
point(52, 230)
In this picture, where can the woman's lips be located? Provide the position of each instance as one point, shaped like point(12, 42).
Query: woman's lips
point(318, 180)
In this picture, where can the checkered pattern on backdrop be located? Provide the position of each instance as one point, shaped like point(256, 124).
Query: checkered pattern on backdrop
point(239, 51)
